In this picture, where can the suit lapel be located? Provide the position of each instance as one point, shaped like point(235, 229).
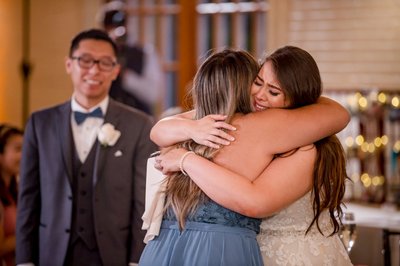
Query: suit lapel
point(112, 117)
point(65, 136)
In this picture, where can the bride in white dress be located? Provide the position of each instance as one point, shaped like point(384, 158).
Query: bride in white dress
point(300, 191)
point(283, 241)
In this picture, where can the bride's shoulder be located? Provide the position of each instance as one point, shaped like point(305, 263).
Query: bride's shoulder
point(273, 114)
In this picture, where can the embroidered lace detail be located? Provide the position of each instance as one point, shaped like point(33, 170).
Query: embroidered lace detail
point(211, 212)
point(299, 233)
point(283, 241)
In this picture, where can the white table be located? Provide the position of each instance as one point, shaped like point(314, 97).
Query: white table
point(382, 217)
point(374, 216)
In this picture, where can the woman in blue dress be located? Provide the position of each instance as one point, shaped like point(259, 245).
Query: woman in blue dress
point(196, 230)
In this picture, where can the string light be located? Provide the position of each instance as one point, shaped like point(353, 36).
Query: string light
point(396, 146)
point(382, 98)
point(363, 102)
point(364, 147)
point(349, 141)
point(371, 147)
point(377, 142)
point(375, 106)
point(395, 101)
point(359, 140)
point(376, 181)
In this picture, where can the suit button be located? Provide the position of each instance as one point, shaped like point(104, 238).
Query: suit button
point(67, 231)
point(83, 192)
point(70, 197)
point(83, 175)
point(81, 229)
point(100, 232)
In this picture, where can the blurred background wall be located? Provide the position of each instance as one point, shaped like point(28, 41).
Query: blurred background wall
point(354, 42)
point(10, 58)
point(50, 27)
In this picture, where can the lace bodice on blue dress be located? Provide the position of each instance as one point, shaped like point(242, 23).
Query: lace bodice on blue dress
point(213, 213)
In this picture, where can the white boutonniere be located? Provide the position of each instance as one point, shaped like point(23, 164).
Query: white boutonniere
point(108, 135)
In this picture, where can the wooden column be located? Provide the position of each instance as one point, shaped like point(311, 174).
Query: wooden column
point(187, 23)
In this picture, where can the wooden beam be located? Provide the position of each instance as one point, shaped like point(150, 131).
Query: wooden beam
point(187, 22)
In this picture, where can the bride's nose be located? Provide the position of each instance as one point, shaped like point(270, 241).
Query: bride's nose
point(260, 94)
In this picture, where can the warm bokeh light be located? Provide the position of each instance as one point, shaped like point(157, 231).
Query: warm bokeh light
point(381, 180)
point(364, 177)
point(385, 139)
point(396, 146)
point(363, 102)
point(382, 97)
point(378, 142)
point(367, 182)
point(349, 141)
point(371, 147)
point(376, 180)
point(395, 101)
point(365, 147)
point(359, 140)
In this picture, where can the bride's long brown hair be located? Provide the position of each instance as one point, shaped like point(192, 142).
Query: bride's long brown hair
point(220, 86)
point(299, 78)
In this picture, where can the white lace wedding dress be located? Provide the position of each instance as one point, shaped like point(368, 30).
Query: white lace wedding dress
point(282, 240)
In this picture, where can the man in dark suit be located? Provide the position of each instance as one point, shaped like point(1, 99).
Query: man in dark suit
point(81, 194)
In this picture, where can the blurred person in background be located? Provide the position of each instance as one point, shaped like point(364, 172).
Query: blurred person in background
point(141, 81)
point(82, 185)
point(10, 157)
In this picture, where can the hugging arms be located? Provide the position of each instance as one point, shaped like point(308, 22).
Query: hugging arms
point(274, 131)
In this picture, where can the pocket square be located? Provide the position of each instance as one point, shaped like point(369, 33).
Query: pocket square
point(118, 153)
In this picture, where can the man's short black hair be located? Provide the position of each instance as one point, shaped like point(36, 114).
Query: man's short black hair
point(93, 34)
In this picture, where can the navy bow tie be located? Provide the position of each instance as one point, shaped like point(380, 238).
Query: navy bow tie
point(80, 117)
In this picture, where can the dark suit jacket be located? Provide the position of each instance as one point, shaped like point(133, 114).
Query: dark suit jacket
point(45, 195)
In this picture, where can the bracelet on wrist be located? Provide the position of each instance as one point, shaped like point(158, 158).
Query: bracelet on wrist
point(181, 161)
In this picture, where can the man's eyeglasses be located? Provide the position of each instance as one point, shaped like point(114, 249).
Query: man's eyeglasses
point(87, 62)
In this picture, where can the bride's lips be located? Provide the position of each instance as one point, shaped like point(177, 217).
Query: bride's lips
point(259, 107)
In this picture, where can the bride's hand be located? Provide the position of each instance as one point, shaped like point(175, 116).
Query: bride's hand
point(209, 131)
point(168, 162)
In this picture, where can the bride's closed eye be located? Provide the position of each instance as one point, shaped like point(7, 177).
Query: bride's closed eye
point(274, 92)
point(257, 83)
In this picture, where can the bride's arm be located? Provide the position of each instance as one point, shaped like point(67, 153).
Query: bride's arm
point(281, 183)
point(206, 131)
point(290, 128)
point(285, 179)
point(281, 130)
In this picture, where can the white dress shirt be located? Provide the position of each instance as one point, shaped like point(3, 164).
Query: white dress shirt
point(85, 134)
